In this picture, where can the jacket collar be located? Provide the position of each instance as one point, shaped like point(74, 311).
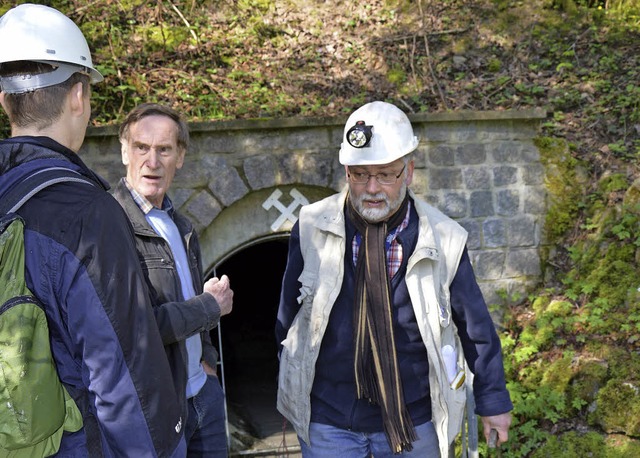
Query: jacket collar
point(333, 220)
point(427, 246)
point(137, 216)
point(133, 211)
point(36, 153)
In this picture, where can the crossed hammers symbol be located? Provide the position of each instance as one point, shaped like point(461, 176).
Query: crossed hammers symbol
point(286, 212)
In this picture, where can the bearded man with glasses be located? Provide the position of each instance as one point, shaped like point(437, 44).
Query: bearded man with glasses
point(381, 318)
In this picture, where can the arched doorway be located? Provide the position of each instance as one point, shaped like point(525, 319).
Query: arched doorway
point(248, 241)
point(248, 348)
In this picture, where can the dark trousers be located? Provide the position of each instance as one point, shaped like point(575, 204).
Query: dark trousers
point(206, 423)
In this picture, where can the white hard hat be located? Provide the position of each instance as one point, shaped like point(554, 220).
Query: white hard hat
point(39, 33)
point(376, 133)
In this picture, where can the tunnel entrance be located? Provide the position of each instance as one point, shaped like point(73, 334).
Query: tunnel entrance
point(249, 352)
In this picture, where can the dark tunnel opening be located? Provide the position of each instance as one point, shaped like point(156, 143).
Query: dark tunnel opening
point(249, 351)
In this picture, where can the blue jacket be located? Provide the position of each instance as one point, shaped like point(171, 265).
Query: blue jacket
point(81, 264)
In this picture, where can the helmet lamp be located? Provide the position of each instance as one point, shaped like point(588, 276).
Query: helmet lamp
point(359, 135)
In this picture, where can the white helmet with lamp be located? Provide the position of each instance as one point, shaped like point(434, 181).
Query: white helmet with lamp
point(375, 134)
point(39, 33)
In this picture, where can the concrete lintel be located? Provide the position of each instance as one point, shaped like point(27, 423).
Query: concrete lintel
point(533, 114)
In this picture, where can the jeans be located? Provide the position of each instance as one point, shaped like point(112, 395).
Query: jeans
point(206, 423)
point(331, 442)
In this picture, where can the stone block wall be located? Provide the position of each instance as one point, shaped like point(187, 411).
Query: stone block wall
point(480, 168)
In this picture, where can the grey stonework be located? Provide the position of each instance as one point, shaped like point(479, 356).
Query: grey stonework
point(260, 171)
point(241, 177)
point(224, 180)
point(494, 233)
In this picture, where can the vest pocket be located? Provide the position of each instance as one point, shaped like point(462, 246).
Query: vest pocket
point(290, 382)
point(308, 282)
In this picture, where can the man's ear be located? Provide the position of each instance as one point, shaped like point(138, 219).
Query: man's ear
point(181, 155)
point(124, 152)
point(409, 177)
point(77, 99)
point(2, 102)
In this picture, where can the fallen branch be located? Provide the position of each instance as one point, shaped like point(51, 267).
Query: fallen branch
point(193, 34)
point(421, 33)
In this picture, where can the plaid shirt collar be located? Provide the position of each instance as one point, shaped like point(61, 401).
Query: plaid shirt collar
point(143, 203)
point(393, 248)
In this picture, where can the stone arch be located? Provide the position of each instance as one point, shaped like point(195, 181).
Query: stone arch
point(259, 216)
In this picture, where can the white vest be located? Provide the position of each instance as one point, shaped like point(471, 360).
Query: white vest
point(430, 271)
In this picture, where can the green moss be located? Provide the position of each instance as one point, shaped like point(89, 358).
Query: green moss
point(632, 196)
point(611, 276)
point(606, 262)
point(540, 304)
point(559, 308)
point(589, 376)
point(494, 65)
point(563, 185)
point(553, 320)
point(618, 402)
point(572, 445)
point(613, 182)
point(618, 408)
point(558, 375)
point(624, 365)
point(544, 335)
point(531, 374)
point(620, 446)
point(396, 76)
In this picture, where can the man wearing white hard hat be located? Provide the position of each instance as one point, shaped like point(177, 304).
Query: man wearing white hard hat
point(380, 317)
point(80, 257)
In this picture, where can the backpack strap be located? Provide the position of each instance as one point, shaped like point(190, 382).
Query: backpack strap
point(31, 185)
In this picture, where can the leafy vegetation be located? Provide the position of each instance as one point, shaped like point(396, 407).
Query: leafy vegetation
point(572, 348)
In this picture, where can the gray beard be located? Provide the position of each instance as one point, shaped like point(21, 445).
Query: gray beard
point(375, 215)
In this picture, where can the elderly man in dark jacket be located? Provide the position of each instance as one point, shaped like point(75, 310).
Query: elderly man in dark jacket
point(154, 141)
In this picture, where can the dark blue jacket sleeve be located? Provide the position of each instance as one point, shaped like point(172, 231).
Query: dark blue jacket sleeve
point(480, 342)
point(289, 307)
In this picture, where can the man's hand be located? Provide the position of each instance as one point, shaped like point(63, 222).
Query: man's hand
point(208, 369)
point(500, 423)
point(220, 289)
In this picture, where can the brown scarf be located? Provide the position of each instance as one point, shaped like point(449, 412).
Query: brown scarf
point(376, 363)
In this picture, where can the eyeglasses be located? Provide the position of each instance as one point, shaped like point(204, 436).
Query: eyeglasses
point(382, 178)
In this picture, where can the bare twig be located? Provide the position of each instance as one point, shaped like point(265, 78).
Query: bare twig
point(412, 58)
point(193, 34)
point(498, 89)
point(433, 74)
point(80, 9)
point(428, 52)
point(421, 32)
point(407, 105)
